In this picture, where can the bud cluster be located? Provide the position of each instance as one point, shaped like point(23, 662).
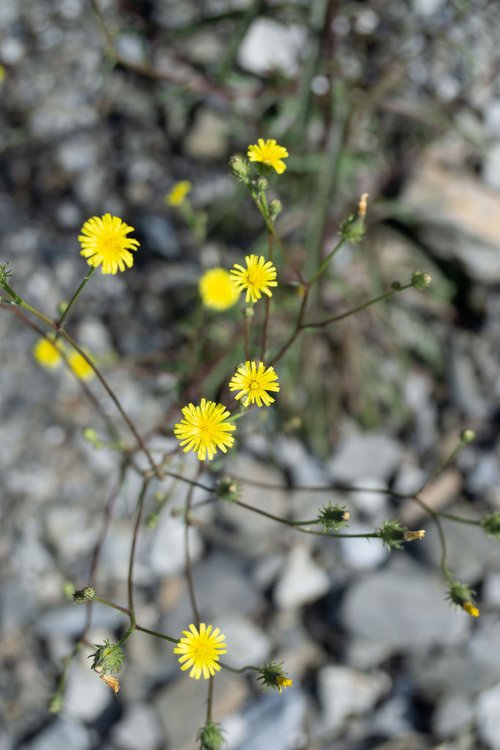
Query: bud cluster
point(228, 489)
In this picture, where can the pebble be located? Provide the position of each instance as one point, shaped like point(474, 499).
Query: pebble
point(268, 45)
point(488, 717)
point(302, 580)
point(344, 692)
point(62, 734)
point(373, 455)
point(402, 607)
point(139, 729)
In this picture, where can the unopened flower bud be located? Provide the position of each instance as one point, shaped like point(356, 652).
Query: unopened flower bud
point(467, 436)
point(333, 517)
point(392, 534)
point(84, 595)
point(462, 596)
point(108, 658)
point(421, 280)
point(56, 702)
point(240, 168)
point(210, 736)
point(272, 676)
point(228, 489)
point(491, 524)
point(275, 208)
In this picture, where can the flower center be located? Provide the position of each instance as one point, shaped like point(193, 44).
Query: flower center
point(253, 385)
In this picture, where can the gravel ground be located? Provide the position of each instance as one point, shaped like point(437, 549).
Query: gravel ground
point(378, 658)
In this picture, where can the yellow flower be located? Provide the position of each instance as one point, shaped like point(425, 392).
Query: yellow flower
point(283, 682)
point(217, 289)
point(269, 153)
point(105, 243)
point(256, 278)
point(253, 381)
point(200, 650)
point(471, 609)
point(47, 354)
point(178, 193)
point(2, 73)
point(203, 429)
point(80, 366)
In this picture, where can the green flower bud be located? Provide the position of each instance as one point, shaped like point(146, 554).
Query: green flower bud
point(392, 534)
point(467, 436)
point(228, 489)
point(240, 168)
point(210, 736)
point(333, 517)
point(275, 208)
point(353, 228)
point(107, 658)
point(421, 280)
point(84, 595)
point(462, 596)
point(272, 676)
point(55, 703)
point(491, 525)
point(5, 273)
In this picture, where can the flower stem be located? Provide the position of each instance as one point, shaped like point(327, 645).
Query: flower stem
point(73, 299)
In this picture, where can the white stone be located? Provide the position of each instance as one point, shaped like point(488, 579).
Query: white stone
point(140, 729)
point(246, 643)
point(302, 580)
point(344, 692)
point(488, 717)
point(269, 45)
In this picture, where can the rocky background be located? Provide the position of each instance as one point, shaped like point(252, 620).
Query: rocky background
point(379, 660)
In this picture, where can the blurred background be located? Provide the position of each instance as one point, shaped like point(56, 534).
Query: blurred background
point(104, 106)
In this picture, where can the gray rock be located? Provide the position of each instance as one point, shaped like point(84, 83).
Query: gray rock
point(62, 734)
point(208, 137)
point(246, 643)
point(167, 552)
point(373, 455)
point(86, 695)
point(488, 717)
point(344, 692)
point(402, 608)
point(68, 620)
point(275, 721)
point(362, 554)
point(491, 167)
point(140, 729)
point(302, 580)
point(453, 713)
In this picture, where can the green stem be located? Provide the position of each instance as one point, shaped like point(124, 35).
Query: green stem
point(354, 310)
point(458, 519)
point(74, 298)
point(325, 263)
point(130, 578)
point(126, 611)
point(441, 467)
point(187, 555)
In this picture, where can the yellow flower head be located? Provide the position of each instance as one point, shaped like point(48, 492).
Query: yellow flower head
point(218, 290)
point(283, 682)
point(177, 195)
point(256, 278)
point(200, 650)
point(204, 429)
point(471, 609)
point(254, 381)
point(269, 153)
point(105, 243)
point(80, 366)
point(47, 353)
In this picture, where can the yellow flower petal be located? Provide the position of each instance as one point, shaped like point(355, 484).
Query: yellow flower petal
point(105, 243)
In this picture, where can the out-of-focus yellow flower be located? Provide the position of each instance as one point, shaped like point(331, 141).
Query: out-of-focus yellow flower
point(105, 243)
point(217, 289)
point(256, 278)
point(47, 354)
point(177, 195)
point(2, 73)
point(283, 682)
point(200, 650)
point(269, 153)
point(80, 366)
